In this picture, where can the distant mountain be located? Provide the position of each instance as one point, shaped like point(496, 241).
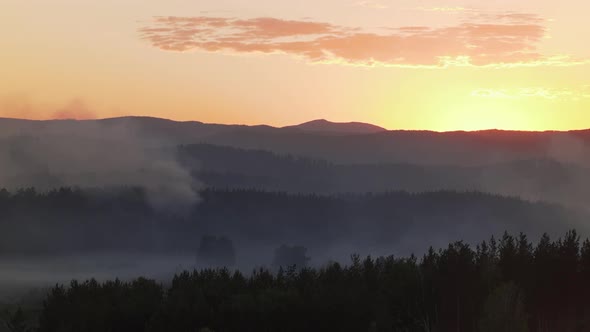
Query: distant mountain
point(325, 126)
point(413, 147)
point(143, 152)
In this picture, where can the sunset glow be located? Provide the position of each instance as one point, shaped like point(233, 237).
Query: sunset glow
point(436, 65)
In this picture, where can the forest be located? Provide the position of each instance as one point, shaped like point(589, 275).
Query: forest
point(541, 178)
point(177, 235)
point(294, 166)
point(507, 284)
point(71, 220)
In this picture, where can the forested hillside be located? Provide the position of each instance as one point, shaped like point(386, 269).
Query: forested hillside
point(341, 145)
point(74, 220)
point(535, 179)
point(505, 284)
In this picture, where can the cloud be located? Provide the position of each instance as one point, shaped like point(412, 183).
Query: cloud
point(507, 17)
point(534, 92)
point(444, 9)
point(499, 40)
point(370, 4)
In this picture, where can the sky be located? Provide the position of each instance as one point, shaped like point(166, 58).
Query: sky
point(402, 64)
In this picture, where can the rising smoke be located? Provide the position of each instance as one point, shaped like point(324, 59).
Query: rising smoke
point(96, 154)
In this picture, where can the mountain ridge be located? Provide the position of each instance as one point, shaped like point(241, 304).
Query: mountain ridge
point(345, 146)
point(369, 126)
point(323, 125)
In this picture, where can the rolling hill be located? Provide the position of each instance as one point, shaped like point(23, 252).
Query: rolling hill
point(348, 146)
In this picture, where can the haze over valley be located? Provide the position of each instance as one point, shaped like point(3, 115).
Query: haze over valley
point(147, 186)
point(334, 165)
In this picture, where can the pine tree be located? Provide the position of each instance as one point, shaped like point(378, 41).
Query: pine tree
point(504, 311)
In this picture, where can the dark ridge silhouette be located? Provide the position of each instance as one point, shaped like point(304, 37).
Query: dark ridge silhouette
point(325, 126)
point(415, 147)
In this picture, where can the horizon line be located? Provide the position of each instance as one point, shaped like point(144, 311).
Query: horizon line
point(294, 126)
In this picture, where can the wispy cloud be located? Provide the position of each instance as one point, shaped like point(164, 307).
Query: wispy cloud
point(508, 17)
point(534, 92)
point(371, 4)
point(502, 40)
point(444, 9)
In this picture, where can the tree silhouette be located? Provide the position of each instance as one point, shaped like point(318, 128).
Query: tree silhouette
point(510, 286)
point(504, 310)
point(17, 322)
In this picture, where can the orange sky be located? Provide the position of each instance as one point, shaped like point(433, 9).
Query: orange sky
point(401, 64)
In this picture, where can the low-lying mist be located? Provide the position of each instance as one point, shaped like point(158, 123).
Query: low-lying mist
point(57, 235)
point(110, 199)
